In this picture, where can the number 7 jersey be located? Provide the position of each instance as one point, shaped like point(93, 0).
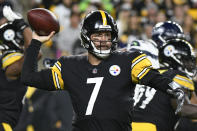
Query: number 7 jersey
point(103, 91)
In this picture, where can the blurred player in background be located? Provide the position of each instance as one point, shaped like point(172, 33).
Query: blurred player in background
point(15, 35)
point(100, 82)
point(154, 110)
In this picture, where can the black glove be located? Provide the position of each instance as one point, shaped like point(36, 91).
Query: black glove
point(177, 92)
point(20, 24)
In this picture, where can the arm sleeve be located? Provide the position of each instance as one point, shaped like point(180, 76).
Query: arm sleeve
point(29, 75)
point(156, 80)
point(143, 73)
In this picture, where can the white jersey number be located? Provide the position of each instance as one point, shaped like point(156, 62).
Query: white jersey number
point(141, 90)
point(98, 81)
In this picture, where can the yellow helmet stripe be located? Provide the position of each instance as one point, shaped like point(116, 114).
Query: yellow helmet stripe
point(103, 17)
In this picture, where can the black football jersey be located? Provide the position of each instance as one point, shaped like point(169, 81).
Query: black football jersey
point(154, 106)
point(11, 92)
point(102, 91)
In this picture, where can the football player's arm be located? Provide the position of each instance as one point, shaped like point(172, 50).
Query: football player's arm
point(189, 108)
point(143, 73)
point(13, 70)
point(189, 111)
point(48, 79)
point(193, 98)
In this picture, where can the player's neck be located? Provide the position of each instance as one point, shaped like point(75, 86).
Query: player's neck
point(93, 60)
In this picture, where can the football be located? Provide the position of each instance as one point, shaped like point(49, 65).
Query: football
point(43, 21)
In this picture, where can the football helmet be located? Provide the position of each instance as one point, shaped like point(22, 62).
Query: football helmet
point(178, 54)
point(98, 21)
point(10, 37)
point(163, 31)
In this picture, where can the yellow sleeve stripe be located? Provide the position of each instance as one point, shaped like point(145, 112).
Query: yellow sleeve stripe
point(54, 81)
point(142, 126)
point(140, 68)
point(57, 77)
point(138, 58)
point(59, 64)
point(162, 71)
point(6, 126)
point(10, 59)
point(30, 92)
point(184, 81)
point(143, 73)
point(103, 17)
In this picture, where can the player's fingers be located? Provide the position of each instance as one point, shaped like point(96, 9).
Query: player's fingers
point(51, 34)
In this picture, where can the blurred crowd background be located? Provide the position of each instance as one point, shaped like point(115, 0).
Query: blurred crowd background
point(135, 19)
point(45, 111)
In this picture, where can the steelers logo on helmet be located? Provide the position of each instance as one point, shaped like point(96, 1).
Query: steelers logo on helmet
point(169, 50)
point(114, 70)
point(9, 34)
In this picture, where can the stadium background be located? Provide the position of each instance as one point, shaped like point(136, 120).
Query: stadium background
point(45, 111)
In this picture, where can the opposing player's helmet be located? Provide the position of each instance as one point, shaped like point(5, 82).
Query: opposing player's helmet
point(10, 38)
point(164, 31)
point(178, 54)
point(98, 21)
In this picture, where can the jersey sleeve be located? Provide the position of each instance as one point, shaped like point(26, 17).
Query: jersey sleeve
point(184, 81)
point(10, 58)
point(143, 73)
point(140, 67)
point(47, 79)
point(57, 76)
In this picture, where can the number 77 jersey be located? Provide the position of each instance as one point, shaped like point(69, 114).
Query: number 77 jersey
point(154, 107)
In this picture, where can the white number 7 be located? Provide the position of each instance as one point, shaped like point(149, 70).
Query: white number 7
point(98, 82)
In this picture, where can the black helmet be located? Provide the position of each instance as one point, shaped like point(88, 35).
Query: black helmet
point(178, 54)
point(10, 38)
point(97, 21)
point(163, 31)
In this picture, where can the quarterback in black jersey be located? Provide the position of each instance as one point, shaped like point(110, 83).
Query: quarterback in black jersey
point(12, 45)
point(153, 110)
point(100, 82)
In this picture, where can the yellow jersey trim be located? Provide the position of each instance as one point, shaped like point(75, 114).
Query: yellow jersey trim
point(162, 71)
point(184, 81)
point(142, 126)
point(6, 126)
point(140, 67)
point(57, 76)
point(10, 59)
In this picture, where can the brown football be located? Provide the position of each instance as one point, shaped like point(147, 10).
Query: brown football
point(43, 21)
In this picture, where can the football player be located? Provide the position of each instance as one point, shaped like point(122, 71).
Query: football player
point(100, 82)
point(154, 110)
point(15, 35)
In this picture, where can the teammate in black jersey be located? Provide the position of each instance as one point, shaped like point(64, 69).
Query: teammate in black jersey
point(14, 35)
point(100, 82)
point(153, 110)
